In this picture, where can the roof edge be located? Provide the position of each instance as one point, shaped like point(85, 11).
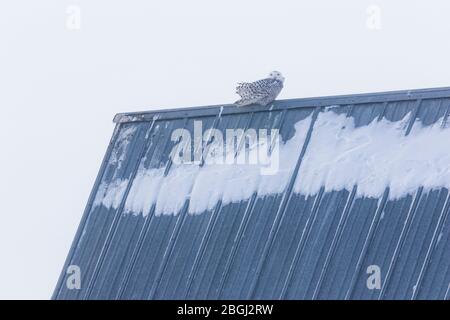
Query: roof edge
point(360, 98)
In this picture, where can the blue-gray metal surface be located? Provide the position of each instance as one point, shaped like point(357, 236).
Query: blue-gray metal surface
point(284, 246)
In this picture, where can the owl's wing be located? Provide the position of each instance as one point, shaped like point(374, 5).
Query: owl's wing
point(241, 87)
point(257, 88)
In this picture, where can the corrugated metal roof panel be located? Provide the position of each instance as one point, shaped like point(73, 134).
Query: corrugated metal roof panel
point(283, 245)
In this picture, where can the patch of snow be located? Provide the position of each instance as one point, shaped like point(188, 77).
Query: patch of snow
point(206, 185)
point(121, 146)
point(237, 182)
point(373, 157)
point(144, 191)
point(175, 189)
point(110, 195)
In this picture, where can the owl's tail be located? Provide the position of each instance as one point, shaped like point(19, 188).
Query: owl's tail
point(241, 103)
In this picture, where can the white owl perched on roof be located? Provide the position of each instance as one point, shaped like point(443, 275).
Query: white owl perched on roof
point(260, 92)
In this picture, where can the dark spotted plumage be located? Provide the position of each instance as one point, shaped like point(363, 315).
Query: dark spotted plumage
point(260, 92)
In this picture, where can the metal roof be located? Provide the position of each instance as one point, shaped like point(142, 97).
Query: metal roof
point(282, 246)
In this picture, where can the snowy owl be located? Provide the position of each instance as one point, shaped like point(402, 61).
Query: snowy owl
point(260, 92)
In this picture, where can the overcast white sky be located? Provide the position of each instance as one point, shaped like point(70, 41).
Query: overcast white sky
point(61, 86)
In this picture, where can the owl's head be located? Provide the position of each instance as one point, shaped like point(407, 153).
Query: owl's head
point(276, 75)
